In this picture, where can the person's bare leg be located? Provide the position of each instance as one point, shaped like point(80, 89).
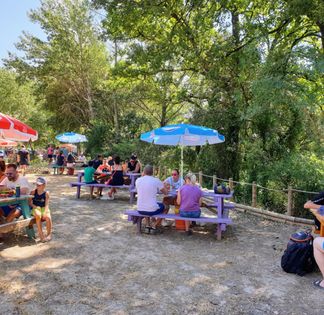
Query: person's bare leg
point(319, 255)
point(48, 220)
point(91, 192)
point(187, 225)
point(13, 215)
point(38, 217)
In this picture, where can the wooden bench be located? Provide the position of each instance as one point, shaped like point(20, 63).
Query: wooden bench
point(139, 217)
point(319, 218)
point(82, 184)
point(17, 225)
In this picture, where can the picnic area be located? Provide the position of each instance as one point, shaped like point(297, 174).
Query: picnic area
point(97, 264)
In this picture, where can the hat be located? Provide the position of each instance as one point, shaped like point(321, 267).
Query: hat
point(40, 181)
point(133, 157)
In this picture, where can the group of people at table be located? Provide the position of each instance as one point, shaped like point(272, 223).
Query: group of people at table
point(10, 178)
point(185, 194)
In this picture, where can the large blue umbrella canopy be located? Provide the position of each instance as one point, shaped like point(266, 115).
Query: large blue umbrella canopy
point(183, 135)
point(71, 137)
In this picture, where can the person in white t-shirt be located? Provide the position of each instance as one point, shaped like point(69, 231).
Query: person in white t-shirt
point(13, 180)
point(147, 187)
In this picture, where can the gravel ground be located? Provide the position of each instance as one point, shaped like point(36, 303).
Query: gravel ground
point(96, 264)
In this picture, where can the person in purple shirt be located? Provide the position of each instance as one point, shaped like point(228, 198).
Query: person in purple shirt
point(189, 198)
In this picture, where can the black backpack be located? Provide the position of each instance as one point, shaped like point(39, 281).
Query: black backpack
point(299, 257)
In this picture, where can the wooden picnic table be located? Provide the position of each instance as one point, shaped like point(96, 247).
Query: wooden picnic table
point(131, 187)
point(221, 219)
point(23, 202)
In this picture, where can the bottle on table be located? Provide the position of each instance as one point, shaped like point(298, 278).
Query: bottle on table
point(17, 191)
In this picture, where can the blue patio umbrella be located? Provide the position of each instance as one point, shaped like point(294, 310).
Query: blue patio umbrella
point(183, 135)
point(71, 137)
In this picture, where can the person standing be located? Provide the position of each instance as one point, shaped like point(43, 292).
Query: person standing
point(23, 159)
point(147, 187)
point(50, 152)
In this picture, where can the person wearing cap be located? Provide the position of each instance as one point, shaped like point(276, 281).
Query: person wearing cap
point(40, 209)
point(11, 181)
point(134, 166)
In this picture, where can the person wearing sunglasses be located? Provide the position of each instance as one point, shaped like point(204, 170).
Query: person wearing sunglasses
point(172, 184)
point(12, 180)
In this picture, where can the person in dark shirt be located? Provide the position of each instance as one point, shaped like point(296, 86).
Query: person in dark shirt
point(23, 159)
point(134, 166)
point(40, 208)
point(60, 160)
point(98, 161)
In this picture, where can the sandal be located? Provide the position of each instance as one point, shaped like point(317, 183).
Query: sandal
point(147, 230)
point(317, 284)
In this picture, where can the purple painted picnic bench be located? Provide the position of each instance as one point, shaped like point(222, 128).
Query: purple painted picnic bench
point(139, 217)
point(130, 187)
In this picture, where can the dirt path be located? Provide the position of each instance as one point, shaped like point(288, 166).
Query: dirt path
point(96, 264)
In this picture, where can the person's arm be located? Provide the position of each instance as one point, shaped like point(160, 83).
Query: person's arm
point(28, 158)
point(137, 167)
point(18, 157)
point(179, 198)
point(311, 205)
point(30, 200)
point(46, 201)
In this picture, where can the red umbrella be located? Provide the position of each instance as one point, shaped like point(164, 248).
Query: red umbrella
point(8, 143)
point(13, 129)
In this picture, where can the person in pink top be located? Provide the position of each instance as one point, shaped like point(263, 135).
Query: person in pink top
point(189, 198)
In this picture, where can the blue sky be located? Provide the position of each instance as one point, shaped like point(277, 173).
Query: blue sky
point(14, 20)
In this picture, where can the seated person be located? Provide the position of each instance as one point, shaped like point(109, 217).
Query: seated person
point(147, 187)
point(2, 170)
point(116, 179)
point(316, 203)
point(39, 204)
point(172, 184)
point(13, 180)
point(134, 166)
point(89, 173)
point(97, 161)
point(189, 198)
point(318, 245)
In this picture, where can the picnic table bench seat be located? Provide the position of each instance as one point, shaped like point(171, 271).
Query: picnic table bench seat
point(219, 221)
point(98, 185)
point(16, 225)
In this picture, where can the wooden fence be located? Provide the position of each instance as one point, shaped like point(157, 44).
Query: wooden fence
point(163, 172)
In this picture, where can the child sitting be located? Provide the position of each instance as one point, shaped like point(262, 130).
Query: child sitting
point(40, 210)
point(89, 174)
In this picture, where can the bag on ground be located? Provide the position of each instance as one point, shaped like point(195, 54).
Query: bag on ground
point(298, 258)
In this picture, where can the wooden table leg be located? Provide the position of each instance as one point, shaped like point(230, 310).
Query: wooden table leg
point(26, 213)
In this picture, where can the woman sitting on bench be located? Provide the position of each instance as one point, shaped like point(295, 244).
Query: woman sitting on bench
point(117, 178)
point(189, 199)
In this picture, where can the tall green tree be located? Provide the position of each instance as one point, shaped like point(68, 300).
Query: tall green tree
point(70, 66)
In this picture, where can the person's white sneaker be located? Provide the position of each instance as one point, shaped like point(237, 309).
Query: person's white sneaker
point(112, 197)
point(105, 197)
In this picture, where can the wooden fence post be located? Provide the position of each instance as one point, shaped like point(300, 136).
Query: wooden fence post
point(231, 185)
point(165, 172)
point(158, 171)
point(290, 201)
point(254, 194)
point(154, 170)
point(214, 181)
point(200, 178)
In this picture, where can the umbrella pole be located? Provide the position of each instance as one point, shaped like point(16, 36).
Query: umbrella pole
point(181, 164)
